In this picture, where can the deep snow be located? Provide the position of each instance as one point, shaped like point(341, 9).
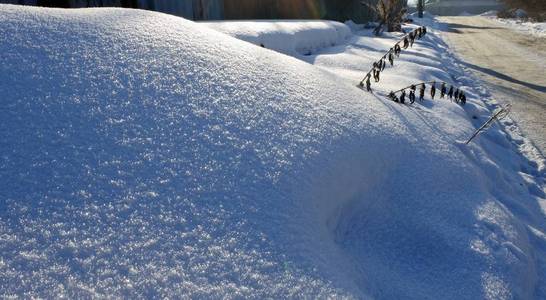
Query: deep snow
point(146, 155)
point(529, 27)
point(292, 37)
point(519, 24)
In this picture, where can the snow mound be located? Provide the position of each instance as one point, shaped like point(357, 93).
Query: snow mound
point(490, 13)
point(286, 36)
point(525, 26)
point(354, 26)
point(147, 156)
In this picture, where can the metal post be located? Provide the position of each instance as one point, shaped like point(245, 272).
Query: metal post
point(499, 115)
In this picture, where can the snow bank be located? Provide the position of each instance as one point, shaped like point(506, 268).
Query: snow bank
point(529, 27)
point(146, 156)
point(519, 22)
point(491, 13)
point(286, 36)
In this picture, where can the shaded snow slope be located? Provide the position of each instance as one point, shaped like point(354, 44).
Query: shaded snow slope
point(293, 37)
point(143, 155)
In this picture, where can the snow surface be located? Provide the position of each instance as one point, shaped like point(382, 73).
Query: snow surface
point(144, 155)
point(491, 13)
point(290, 37)
point(522, 25)
point(534, 28)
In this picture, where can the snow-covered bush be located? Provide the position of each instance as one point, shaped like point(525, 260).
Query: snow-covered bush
point(534, 9)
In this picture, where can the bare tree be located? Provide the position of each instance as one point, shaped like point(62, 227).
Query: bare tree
point(390, 14)
point(420, 7)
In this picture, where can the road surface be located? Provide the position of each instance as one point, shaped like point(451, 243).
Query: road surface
point(511, 64)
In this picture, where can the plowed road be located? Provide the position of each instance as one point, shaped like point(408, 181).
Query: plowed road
point(511, 63)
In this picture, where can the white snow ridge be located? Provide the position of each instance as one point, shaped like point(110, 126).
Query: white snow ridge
point(146, 156)
point(292, 37)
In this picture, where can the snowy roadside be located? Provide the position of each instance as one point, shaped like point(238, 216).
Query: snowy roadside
point(351, 55)
point(534, 28)
point(504, 155)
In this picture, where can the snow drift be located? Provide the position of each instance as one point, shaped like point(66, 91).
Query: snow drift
point(292, 37)
point(529, 27)
point(143, 155)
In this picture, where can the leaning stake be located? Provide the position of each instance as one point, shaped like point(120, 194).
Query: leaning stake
point(499, 115)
